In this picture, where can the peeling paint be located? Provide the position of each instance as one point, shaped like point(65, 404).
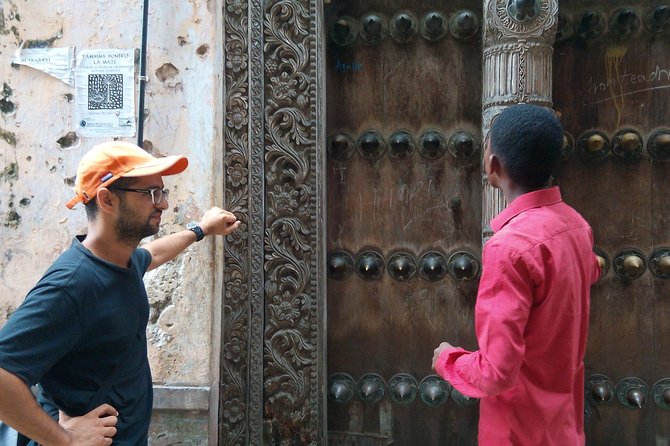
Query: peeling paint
point(10, 172)
point(69, 141)
point(202, 51)
point(167, 71)
point(8, 136)
point(7, 107)
point(12, 219)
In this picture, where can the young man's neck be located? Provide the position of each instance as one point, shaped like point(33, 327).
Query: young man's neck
point(513, 190)
point(108, 247)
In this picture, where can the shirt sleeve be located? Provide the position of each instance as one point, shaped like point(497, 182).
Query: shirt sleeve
point(143, 258)
point(503, 305)
point(39, 333)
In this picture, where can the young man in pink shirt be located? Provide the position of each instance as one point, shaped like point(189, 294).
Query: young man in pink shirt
point(532, 310)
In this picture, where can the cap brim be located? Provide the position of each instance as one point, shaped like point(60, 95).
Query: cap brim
point(169, 165)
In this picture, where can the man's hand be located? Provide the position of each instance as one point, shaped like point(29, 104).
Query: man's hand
point(438, 351)
point(96, 428)
point(218, 221)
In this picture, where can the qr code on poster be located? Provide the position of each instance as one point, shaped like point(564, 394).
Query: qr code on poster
point(105, 91)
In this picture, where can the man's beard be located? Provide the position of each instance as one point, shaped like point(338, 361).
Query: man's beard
point(129, 229)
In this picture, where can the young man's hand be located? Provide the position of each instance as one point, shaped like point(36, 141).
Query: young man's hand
point(96, 428)
point(438, 351)
point(218, 221)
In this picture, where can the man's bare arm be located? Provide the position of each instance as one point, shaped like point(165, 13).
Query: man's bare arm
point(216, 221)
point(19, 410)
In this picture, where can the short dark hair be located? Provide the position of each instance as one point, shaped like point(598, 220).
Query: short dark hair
point(92, 206)
point(528, 140)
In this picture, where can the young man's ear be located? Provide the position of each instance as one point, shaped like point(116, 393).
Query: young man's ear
point(106, 199)
point(495, 171)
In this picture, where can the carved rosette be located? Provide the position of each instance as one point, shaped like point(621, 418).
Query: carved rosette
point(517, 68)
point(293, 404)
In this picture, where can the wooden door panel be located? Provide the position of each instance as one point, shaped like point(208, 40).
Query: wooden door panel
point(414, 205)
point(613, 82)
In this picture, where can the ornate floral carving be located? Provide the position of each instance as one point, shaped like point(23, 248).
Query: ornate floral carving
point(236, 303)
point(292, 236)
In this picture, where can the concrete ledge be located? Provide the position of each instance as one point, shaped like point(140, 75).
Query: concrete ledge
point(181, 398)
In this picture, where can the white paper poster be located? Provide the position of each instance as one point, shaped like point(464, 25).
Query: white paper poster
point(57, 62)
point(105, 92)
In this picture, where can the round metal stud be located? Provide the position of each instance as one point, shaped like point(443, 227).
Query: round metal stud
point(403, 27)
point(603, 260)
point(401, 266)
point(462, 144)
point(566, 28)
point(599, 388)
point(370, 388)
point(659, 263)
point(627, 145)
point(593, 146)
point(632, 392)
point(373, 28)
point(432, 266)
point(590, 25)
point(371, 145)
point(340, 388)
point(432, 145)
point(340, 146)
point(370, 265)
point(401, 145)
point(623, 23)
point(463, 266)
point(568, 146)
point(434, 26)
point(340, 264)
point(434, 390)
point(629, 264)
point(344, 31)
point(657, 20)
point(661, 393)
point(461, 399)
point(464, 24)
point(523, 10)
point(403, 388)
point(658, 145)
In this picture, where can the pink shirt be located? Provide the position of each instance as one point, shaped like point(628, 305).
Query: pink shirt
point(531, 320)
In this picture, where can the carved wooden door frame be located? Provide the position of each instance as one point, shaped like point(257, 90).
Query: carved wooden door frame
point(273, 346)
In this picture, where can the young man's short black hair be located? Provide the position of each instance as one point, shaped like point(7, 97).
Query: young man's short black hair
point(528, 140)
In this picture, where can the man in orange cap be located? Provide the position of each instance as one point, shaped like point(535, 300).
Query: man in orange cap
point(81, 332)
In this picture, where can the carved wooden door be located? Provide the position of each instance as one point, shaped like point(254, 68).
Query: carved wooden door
point(612, 88)
point(404, 235)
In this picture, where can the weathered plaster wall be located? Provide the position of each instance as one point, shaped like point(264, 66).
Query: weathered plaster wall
point(183, 104)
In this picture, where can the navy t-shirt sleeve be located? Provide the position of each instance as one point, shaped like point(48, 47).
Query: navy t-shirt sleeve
point(43, 329)
point(143, 260)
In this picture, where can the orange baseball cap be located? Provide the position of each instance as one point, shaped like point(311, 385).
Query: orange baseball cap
point(109, 161)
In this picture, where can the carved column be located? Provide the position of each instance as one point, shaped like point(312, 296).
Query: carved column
point(518, 49)
point(273, 340)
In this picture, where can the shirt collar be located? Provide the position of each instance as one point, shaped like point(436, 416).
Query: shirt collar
point(530, 200)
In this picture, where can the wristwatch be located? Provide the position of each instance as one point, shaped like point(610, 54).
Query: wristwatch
point(197, 230)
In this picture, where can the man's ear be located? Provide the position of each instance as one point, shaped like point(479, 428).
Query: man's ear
point(494, 170)
point(107, 201)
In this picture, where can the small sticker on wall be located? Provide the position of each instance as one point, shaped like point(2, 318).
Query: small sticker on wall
point(105, 92)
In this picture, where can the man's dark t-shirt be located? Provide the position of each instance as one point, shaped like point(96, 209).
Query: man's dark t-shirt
point(82, 319)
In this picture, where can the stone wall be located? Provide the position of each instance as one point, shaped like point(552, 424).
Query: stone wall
point(40, 149)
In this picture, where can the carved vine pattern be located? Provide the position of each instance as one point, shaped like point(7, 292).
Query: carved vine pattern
point(234, 404)
point(291, 326)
